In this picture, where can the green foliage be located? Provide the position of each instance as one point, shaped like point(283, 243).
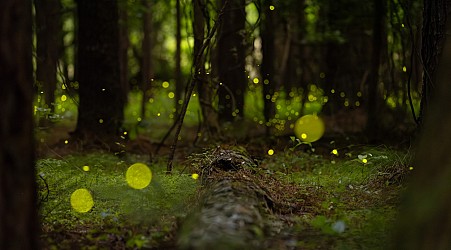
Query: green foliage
point(358, 204)
point(167, 196)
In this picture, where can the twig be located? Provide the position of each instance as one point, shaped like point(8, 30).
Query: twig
point(191, 85)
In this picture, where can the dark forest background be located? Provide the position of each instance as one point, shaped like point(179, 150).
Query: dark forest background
point(102, 74)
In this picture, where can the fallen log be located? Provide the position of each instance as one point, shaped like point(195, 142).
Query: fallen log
point(232, 209)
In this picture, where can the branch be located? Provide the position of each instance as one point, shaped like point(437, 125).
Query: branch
point(191, 86)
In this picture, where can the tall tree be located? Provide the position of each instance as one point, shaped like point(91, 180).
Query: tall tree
point(204, 88)
point(373, 95)
point(231, 60)
point(434, 21)
point(346, 60)
point(48, 37)
point(124, 43)
point(146, 58)
point(267, 68)
point(178, 55)
point(100, 110)
point(425, 220)
point(18, 213)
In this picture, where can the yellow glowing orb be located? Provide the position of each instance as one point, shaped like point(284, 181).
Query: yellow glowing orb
point(138, 176)
point(335, 152)
point(195, 176)
point(271, 152)
point(81, 200)
point(309, 128)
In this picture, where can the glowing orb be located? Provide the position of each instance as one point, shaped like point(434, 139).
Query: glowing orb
point(86, 168)
point(81, 200)
point(138, 176)
point(335, 152)
point(309, 128)
point(195, 176)
point(271, 152)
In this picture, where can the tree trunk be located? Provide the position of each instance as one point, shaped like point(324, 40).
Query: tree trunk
point(347, 60)
point(231, 55)
point(295, 73)
point(204, 88)
point(48, 33)
point(267, 67)
point(19, 226)
point(100, 111)
point(146, 59)
point(178, 57)
point(373, 95)
point(425, 219)
point(434, 21)
point(123, 48)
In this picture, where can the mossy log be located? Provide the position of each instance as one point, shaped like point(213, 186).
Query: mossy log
point(232, 210)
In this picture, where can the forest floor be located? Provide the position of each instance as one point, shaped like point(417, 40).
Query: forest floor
point(333, 194)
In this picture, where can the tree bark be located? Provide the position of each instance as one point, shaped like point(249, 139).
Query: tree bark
point(425, 220)
point(373, 95)
point(19, 226)
point(231, 60)
point(123, 48)
point(435, 14)
point(267, 67)
point(204, 88)
point(100, 111)
point(48, 33)
point(146, 59)
point(178, 57)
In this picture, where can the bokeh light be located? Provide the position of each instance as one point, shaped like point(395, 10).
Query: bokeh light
point(309, 128)
point(81, 200)
point(271, 152)
point(86, 168)
point(138, 176)
point(195, 176)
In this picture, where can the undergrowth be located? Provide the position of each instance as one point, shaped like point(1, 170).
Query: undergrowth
point(148, 214)
point(358, 198)
point(345, 200)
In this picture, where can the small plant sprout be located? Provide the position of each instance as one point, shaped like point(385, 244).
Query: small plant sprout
point(138, 176)
point(270, 151)
point(195, 176)
point(86, 168)
point(81, 200)
point(364, 158)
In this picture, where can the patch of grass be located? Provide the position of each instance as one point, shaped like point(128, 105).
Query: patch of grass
point(358, 201)
point(147, 214)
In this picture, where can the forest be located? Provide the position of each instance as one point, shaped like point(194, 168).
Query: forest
point(226, 124)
